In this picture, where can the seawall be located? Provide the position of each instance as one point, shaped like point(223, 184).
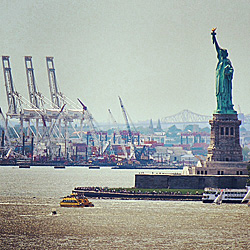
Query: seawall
point(136, 196)
point(189, 181)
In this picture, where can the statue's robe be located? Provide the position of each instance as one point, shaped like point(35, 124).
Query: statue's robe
point(224, 76)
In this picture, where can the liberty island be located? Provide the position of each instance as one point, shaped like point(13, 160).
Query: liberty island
point(224, 166)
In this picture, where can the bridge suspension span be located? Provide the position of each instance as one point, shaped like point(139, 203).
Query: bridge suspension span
point(186, 116)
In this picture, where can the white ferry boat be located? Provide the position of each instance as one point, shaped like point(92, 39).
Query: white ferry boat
point(226, 195)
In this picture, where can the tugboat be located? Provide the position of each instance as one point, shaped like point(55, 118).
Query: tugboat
point(76, 200)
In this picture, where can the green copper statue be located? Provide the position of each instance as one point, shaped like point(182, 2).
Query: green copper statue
point(224, 76)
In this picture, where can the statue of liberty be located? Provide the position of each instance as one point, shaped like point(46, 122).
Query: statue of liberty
point(224, 77)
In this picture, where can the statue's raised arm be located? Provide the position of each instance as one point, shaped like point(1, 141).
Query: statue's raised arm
point(213, 33)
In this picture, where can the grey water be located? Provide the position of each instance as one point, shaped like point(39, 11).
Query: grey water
point(50, 182)
point(27, 197)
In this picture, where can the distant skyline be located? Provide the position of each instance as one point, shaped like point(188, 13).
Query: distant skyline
point(157, 55)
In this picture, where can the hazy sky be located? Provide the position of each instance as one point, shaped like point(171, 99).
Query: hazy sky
point(157, 55)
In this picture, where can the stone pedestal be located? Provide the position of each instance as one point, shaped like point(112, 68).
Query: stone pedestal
point(224, 152)
point(225, 139)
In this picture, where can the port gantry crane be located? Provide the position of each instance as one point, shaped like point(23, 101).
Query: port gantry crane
point(15, 101)
point(126, 120)
point(15, 109)
point(35, 97)
point(53, 115)
point(119, 133)
point(58, 99)
point(38, 111)
point(34, 108)
point(135, 152)
point(131, 139)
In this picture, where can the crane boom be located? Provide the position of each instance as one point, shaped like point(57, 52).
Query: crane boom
point(13, 98)
point(35, 97)
point(56, 96)
point(126, 119)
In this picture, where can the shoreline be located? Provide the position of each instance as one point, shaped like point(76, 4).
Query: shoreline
point(96, 166)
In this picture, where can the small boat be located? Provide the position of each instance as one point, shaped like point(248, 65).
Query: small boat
point(59, 167)
point(24, 166)
point(53, 212)
point(76, 200)
point(94, 167)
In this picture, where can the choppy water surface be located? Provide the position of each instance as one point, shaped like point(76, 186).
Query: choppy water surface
point(29, 195)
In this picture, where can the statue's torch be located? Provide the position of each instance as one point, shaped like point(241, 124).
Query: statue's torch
point(213, 33)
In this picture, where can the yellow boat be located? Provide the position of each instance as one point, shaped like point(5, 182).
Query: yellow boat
point(75, 200)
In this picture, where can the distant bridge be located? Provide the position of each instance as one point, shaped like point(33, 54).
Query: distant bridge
point(186, 116)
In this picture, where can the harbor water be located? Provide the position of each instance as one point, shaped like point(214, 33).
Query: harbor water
point(27, 197)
